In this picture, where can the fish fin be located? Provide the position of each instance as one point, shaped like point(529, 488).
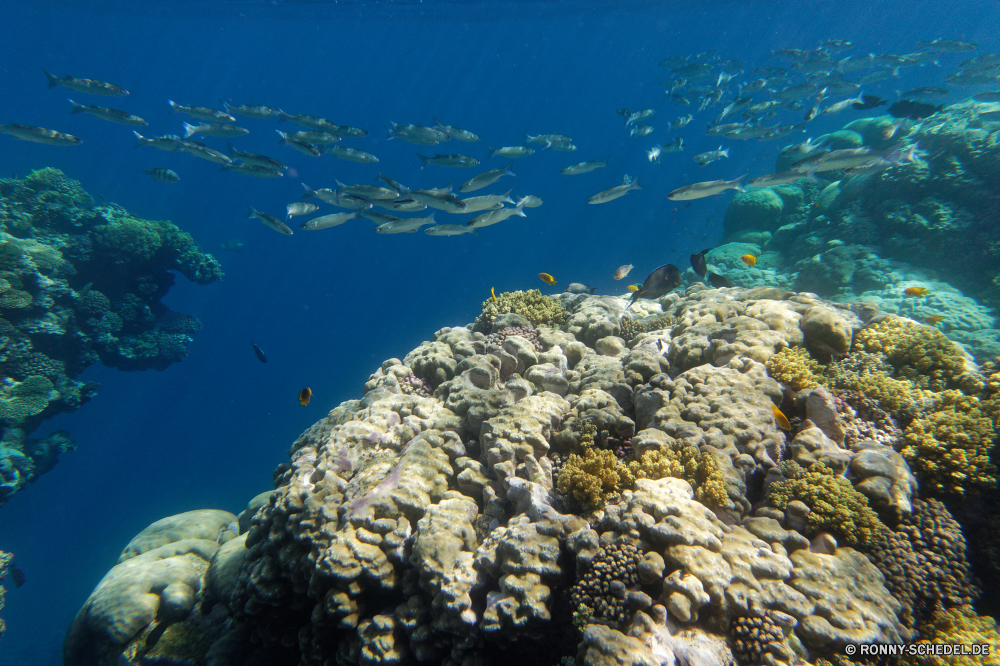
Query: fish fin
point(189, 130)
point(53, 80)
point(310, 192)
point(232, 149)
point(519, 208)
point(139, 139)
point(284, 137)
point(493, 152)
point(507, 169)
point(437, 123)
point(636, 186)
point(604, 162)
point(251, 216)
point(224, 167)
point(424, 160)
point(475, 232)
point(740, 183)
point(77, 108)
point(282, 116)
point(174, 106)
point(431, 218)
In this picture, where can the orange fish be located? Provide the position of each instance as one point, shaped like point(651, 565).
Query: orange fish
point(493, 294)
point(780, 419)
point(916, 291)
point(749, 260)
point(623, 271)
point(546, 278)
point(305, 395)
point(934, 319)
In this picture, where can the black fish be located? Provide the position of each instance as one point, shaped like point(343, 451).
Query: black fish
point(661, 281)
point(868, 102)
point(260, 354)
point(16, 574)
point(698, 262)
point(906, 108)
point(719, 281)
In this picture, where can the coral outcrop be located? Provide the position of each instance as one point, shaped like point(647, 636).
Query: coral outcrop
point(80, 283)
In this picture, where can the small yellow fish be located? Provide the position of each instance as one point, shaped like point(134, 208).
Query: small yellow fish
point(623, 271)
point(934, 319)
point(634, 287)
point(780, 419)
point(749, 260)
point(305, 395)
point(546, 278)
point(493, 294)
point(916, 291)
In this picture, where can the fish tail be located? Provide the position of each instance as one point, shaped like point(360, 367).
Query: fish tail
point(284, 137)
point(508, 169)
point(310, 192)
point(140, 139)
point(174, 106)
point(739, 183)
point(282, 116)
point(77, 108)
point(493, 152)
point(189, 130)
point(636, 186)
point(474, 232)
point(424, 160)
point(54, 81)
point(229, 145)
point(252, 213)
point(519, 208)
point(604, 162)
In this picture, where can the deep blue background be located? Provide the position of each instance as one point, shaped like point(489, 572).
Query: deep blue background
point(329, 306)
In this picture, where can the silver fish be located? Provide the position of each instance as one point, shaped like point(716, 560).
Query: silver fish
point(406, 226)
point(585, 167)
point(456, 133)
point(259, 160)
point(201, 113)
point(530, 201)
point(486, 179)
point(270, 221)
point(780, 178)
point(168, 142)
point(439, 199)
point(615, 192)
point(641, 130)
point(301, 146)
point(312, 122)
point(214, 129)
point(450, 230)
point(487, 202)
point(300, 208)
point(511, 152)
point(448, 161)
point(203, 152)
point(367, 191)
point(495, 216)
point(254, 170)
point(92, 86)
point(706, 189)
point(418, 134)
point(327, 221)
point(704, 159)
point(39, 135)
point(251, 111)
point(349, 154)
point(113, 115)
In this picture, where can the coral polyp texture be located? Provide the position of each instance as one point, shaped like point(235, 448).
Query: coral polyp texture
point(539, 489)
point(80, 283)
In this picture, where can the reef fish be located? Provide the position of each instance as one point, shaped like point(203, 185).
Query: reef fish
point(934, 319)
point(254, 170)
point(259, 352)
point(780, 419)
point(707, 189)
point(546, 278)
point(113, 115)
point(623, 271)
point(719, 281)
point(634, 287)
point(269, 221)
point(749, 260)
point(868, 102)
point(615, 192)
point(579, 288)
point(39, 135)
point(232, 245)
point(906, 108)
point(916, 291)
point(305, 395)
point(162, 175)
point(92, 86)
point(698, 262)
point(661, 281)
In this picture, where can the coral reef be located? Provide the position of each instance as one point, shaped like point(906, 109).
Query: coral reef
point(546, 492)
point(79, 283)
point(539, 310)
point(5, 561)
point(962, 626)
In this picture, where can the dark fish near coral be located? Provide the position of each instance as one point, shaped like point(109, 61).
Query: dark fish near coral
point(16, 575)
point(305, 395)
point(232, 245)
point(258, 352)
point(664, 279)
point(906, 108)
point(698, 262)
point(92, 86)
point(868, 102)
point(162, 175)
point(719, 281)
point(579, 288)
point(39, 135)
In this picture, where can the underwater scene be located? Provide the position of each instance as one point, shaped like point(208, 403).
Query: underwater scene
point(554, 333)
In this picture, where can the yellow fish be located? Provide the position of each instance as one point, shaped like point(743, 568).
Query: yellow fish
point(305, 395)
point(780, 419)
point(749, 260)
point(934, 319)
point(546, 278)
point(634, 287)
point(916, 291)
point(493, 294)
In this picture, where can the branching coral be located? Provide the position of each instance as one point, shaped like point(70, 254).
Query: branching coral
point(793, 366)
point(921, 354)
point(870, 375)
point(538, 309)
point(949, 446)
point(834, 504)
point(962, 626)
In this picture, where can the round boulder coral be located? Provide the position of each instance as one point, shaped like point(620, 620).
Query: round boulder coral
point(758, 209)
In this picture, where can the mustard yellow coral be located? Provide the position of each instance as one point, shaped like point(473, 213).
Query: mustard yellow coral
point(834, 504)
point(698, 468)
point(538, 309)
point(793, 366)
point(962, 626)
point(591, 478)
point(949, 446)
point(869, 374)
point(921, 354)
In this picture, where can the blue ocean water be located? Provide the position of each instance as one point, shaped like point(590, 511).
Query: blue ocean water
point(328, 307)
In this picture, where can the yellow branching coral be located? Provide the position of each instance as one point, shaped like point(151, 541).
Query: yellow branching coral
point(834, 504)
point(949, 445)
point(793, 366)
point(868, 374)
point(962, 625)
point(698, 468)
point(593, 477)
point(919, 353)
point(538, 309)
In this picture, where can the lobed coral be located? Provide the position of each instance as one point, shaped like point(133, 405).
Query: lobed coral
point(630, 328)
point(870, 375)
point(538, 309)
point(600, 596)
point(949, 444)
point(796, 368)
point(918, 353)
point(752, 637)
point(834, 504)
point(962, 626)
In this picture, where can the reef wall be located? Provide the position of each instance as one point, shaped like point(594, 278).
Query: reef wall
point(560, 482)
point(80, 283)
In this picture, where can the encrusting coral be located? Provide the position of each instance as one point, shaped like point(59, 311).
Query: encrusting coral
point(834, 504)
